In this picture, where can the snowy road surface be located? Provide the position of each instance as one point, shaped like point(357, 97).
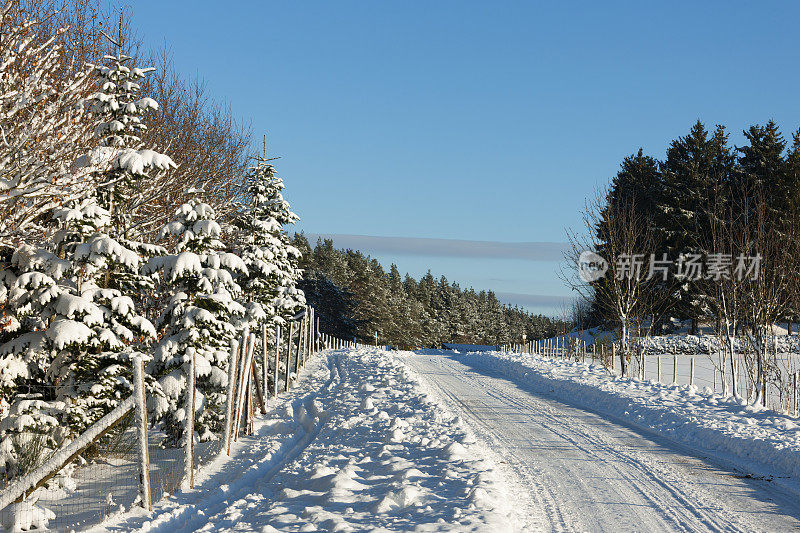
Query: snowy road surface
point(575, 470)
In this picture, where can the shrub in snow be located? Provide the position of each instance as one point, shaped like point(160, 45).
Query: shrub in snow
point(27, 516)
point(197, 322)
point(29, 431)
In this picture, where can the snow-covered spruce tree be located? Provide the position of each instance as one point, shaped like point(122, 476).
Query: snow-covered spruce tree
point(197, 322)
point(33, 420)
point(98, 378)
point(268, 251)
point(105, 262)
point(260, 245)
point(65, 362)
point(118, 109)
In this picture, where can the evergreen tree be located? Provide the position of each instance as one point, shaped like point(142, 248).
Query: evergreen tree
point(764, 169)
point(66, 358)
point(693, 175)
point(635, 189)
point(275, 212)
point(198, 321)
point(262, 250)
point(105, 263)
point(118, 109)
point(98, 378)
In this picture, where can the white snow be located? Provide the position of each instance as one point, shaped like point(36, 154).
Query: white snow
point(368, 440)
point(63, 332)
point(26, 516)
point(56, 460)
point(748, 435)
point(357, 446)
point(581, 453)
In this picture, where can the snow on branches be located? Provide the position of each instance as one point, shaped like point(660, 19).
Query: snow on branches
point(118, 110)
point(198, 321)
point(270, 258)
point(43, 130)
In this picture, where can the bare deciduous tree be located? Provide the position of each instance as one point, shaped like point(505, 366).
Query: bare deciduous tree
point(43, 130)
point(625, 238)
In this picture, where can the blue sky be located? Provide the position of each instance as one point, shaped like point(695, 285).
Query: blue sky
point(476, 121)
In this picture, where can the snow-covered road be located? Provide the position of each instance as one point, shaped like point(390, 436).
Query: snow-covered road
point(576, 470)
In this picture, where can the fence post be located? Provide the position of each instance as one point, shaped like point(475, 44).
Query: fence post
point(659, 368)
point(188, 431)
point(300, 339)
point(644, 364)
point(675, 368)
point(691, 372)
point(289, 355)
point(301, 333)
point(244, 382)
point(265, 360)
point(240, 383)
point(315, 336)
point(226, 442)
point(614, 357)
point(307, 337)
point(259, 396)
point(141, 429)
point(277, 359)
point(252, 379)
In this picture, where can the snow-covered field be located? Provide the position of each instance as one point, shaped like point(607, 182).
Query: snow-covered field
point(676, 354)
point(358, 446)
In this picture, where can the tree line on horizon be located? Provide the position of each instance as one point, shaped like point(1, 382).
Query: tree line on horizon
point(355, 298)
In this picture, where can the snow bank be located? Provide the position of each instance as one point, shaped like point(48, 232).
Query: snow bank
point(469, 347)
point(749, 437)
point(26, 516)
point(357, 446)
point(710, 344)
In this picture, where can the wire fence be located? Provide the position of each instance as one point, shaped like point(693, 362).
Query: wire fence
point(706, 370)
point(105, 477)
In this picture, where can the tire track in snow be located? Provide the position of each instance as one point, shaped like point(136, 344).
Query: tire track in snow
point(628, 481)
point(589, 442)
point(543, 512)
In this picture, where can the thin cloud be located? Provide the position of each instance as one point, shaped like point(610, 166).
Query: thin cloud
point(417, 246)
point(535, 300)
